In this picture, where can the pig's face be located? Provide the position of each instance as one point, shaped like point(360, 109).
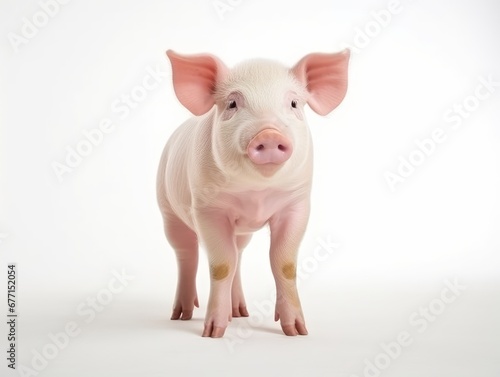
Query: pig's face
point(260, 127)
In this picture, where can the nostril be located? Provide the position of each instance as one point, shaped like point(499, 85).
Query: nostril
point(280, 147)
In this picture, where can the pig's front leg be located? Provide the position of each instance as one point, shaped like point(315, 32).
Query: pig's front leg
point(287, 229)
point(237, 298)
point(217, 235)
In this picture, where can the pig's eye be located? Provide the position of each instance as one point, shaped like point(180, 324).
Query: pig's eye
point(232, 104)
point(294, 104)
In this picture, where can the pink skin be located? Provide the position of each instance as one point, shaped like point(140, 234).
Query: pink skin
point(269, 147)
point(268, 150)
point(244, 162)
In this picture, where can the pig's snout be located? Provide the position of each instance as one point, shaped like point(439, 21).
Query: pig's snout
point(269, 146)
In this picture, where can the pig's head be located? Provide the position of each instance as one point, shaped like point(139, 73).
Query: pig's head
point(259, 127)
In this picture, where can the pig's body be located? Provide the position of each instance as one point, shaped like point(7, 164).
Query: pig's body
point(188, 171)
point(243, 163)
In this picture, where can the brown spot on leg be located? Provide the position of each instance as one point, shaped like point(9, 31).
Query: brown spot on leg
point(289, 271)
point(219, 271)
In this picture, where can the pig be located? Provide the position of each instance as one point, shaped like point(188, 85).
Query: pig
point(244, 161)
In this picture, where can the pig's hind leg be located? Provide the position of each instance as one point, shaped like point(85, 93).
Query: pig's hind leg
point(185, 243)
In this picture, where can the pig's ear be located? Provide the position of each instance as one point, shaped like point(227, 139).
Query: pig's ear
point(325, 77)
point(194, 78)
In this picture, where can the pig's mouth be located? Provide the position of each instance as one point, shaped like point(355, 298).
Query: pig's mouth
point(268, 170)
point(269, 150)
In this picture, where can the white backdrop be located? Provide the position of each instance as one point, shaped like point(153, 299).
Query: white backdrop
point(406, 199)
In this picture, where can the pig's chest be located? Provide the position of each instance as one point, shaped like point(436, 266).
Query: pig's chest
point(249, 211)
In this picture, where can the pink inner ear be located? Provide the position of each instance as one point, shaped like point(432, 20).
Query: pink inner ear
point(325, 76)
point(194, 78)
